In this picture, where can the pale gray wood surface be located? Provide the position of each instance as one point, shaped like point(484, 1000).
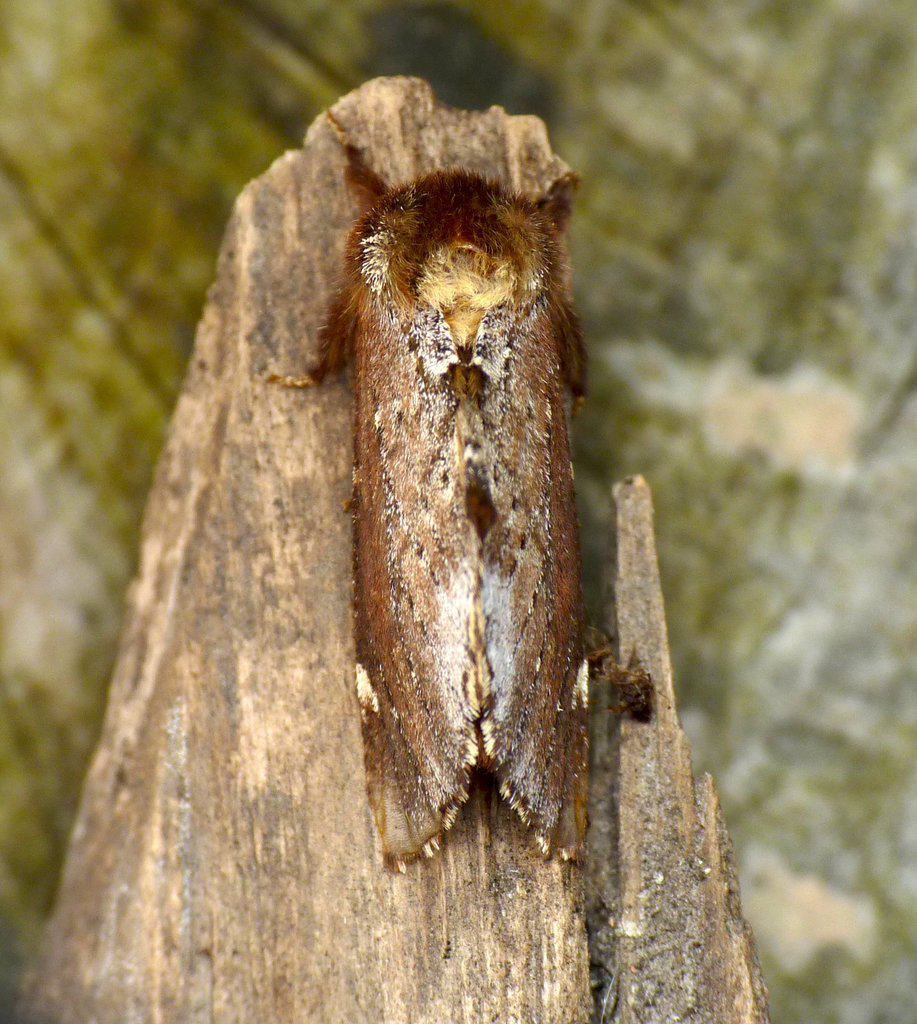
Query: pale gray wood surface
point(665, 915)
point(224, 864)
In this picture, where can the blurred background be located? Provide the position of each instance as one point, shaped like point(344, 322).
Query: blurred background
point(745, 261)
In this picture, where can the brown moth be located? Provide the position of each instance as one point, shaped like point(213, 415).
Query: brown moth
point(467, 353)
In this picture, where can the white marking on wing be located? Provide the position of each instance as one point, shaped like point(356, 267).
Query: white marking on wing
point(366, 695)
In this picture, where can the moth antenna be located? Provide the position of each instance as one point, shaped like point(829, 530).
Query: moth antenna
point(366, 184)
point(557, 202)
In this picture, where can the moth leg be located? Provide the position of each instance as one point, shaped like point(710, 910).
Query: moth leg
point(302, 380)
point(335, 343)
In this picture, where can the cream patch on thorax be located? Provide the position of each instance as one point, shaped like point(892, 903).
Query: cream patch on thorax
point(464, 283)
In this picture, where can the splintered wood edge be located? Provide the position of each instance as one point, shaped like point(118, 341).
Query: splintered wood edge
point(681, 828)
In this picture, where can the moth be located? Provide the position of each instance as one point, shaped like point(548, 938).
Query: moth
point(455, 311)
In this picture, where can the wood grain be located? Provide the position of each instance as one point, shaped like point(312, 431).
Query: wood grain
point(667, 934)
point(224, 866)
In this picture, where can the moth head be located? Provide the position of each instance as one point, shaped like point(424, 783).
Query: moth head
point(456, 242)
point(460, 244)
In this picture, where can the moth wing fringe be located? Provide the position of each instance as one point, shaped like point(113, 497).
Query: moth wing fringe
point(449, 814)
point(544, 838)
